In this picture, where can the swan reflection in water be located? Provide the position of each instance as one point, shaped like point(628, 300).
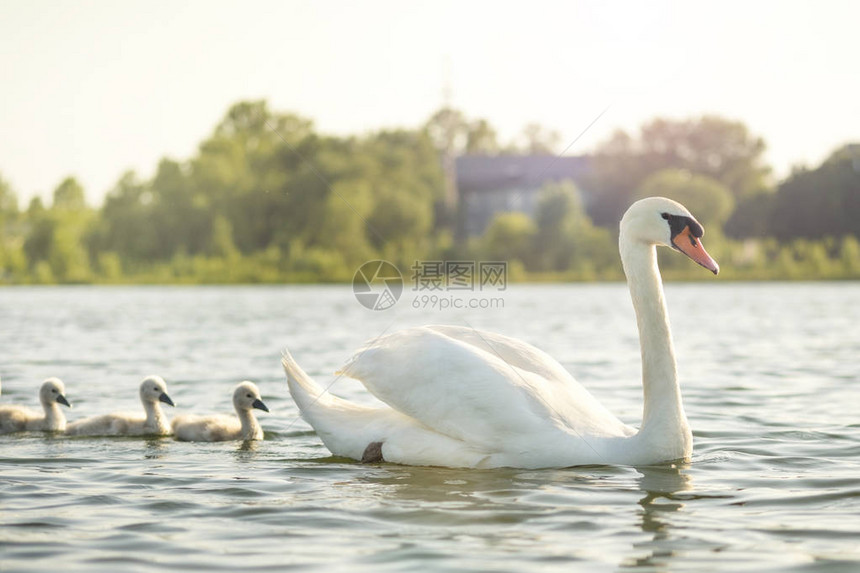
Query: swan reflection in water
point(660, 484)
point(568, 512)
point(530, 492)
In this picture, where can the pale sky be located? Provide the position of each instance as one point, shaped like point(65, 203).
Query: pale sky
point(93, 88)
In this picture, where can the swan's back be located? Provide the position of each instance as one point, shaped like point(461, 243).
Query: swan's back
point(114, 424)
point(18, 418)
point(213, 428)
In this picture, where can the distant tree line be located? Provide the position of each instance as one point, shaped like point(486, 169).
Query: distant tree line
point(716, 167)
point(266, 198)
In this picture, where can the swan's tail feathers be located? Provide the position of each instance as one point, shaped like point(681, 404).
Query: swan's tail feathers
point(345, 428)
point(348, 369)
point(305, 392)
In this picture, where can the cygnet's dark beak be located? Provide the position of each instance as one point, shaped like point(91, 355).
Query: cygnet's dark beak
point(62, 400)
point(166, 399)
point(259, 405)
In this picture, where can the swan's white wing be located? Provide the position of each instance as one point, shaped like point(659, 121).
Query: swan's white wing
point(577, 406)
point(471, 394)
point(514, 352)
point(16, 418)
point(212, 428)
point(115, 424)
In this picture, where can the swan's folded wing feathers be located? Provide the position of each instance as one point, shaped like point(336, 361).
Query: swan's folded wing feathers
point(512, 351)
point(212, 428)
point(565, 398)
point(463, 391)
point(454, 388)
point(15, 418)
point(114, 424)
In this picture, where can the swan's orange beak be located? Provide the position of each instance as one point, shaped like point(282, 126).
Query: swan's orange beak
point(693, 248)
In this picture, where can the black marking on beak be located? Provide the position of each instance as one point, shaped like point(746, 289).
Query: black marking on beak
point(166, 399)
point(259, 405)
point(684, 230)
point(677, 224)
point(62, 400)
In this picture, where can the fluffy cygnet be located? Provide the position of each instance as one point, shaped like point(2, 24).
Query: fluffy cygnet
point(19, 418)
point(152, 391)
point(221, 428)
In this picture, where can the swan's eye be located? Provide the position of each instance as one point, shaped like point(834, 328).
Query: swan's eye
point(665, 216)
point(248, 396)
point(54, 390)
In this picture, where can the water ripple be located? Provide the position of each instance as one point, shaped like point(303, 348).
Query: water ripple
point(774, 484)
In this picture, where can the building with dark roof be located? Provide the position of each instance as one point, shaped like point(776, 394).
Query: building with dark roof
point(487, 185)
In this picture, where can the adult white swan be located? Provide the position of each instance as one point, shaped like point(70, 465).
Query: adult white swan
point(459, 397)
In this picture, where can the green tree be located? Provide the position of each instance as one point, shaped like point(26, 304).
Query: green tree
point(179, 212)
point(448, 128)
point(536, 139)
point(126, 225)
point(69, 195)
point(718, 148)
point(40, 235)
point(509, 237)
point(406, 179)
point(222, 239)
point(481, 138)
point(343, 225)
point(751, 216)
point(566, 239)
point(820, 202)
point(711, 201)
point(8, 203)
point(453, 134)
point(849, 255)
point(57, 237)
point(258, 169)
point(399, 217)
point(12, 261)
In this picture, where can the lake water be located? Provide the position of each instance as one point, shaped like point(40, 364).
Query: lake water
point(771, 382)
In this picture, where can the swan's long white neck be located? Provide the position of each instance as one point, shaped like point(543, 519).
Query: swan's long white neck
point(54, 417)
point(249, 423)
point(155, 418)
point(663, 410)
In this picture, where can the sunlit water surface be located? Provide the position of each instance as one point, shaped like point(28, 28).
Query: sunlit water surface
point(770, 382)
